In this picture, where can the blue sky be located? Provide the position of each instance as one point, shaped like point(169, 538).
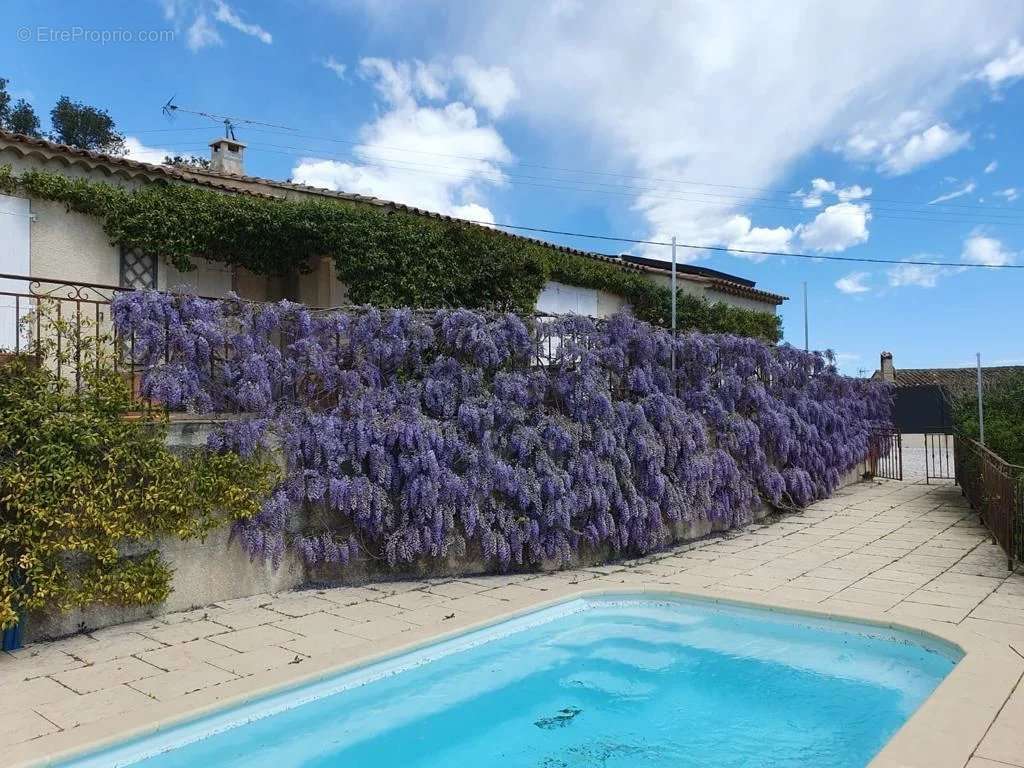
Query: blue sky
point(800, 127)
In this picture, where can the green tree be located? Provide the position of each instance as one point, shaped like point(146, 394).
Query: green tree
point(5, 103)
point(23, 119)
point(187, 162)
point(79, 125)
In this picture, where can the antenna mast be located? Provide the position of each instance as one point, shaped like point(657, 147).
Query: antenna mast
point(170, 109)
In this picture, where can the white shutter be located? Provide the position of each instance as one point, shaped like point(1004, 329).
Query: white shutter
point(15, 221)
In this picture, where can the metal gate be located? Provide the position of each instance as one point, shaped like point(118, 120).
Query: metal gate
point(939, 461)
point(885, 457)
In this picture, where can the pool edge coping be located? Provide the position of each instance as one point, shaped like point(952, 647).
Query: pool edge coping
point(944, 731)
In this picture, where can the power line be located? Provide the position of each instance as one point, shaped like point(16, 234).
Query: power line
point(743, 251)
point(497, 176)
point(290, 132)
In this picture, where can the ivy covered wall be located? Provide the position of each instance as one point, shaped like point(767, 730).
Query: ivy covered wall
point(387, 258)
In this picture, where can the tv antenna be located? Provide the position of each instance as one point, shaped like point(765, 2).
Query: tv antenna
point(170, 109)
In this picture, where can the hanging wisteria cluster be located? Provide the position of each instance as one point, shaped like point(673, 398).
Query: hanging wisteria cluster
point(410, 436)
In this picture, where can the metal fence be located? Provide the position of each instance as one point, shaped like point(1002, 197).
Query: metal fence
point(885, 454)
point(995, 489)
point(69, 325)
point(939, 456)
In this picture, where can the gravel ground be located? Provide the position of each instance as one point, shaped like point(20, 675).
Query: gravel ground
point(939, 456)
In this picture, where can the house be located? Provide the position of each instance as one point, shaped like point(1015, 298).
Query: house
point(925, 397)
point(955, 382)
point(43, 239)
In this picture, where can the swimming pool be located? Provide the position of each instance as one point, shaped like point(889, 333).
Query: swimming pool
point(610, 681)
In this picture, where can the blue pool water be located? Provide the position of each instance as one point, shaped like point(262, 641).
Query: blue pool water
point(597, 682)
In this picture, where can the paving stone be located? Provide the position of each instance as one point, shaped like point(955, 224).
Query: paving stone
point(347, 595)
point(331, 644)
point(106, 674)
point(185, 655)
point(367, 611)
point(378, 630)
point(18, 725)
point(252, 638)
point(171, 685)
point(302, 605)
point(456, 589)
point(410, 600)
point(28, 693)
point(314, 624)
point(244, 618)
point(1005, 739)
point(925, 611)
point(185, 631)
point(245, 664)
point(72, 711)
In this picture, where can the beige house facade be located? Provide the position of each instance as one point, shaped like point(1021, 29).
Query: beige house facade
point(44, 240)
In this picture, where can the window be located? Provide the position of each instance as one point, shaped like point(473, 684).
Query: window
point(138, 269)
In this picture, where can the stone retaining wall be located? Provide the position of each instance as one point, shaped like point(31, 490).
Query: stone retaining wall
point(218, 569)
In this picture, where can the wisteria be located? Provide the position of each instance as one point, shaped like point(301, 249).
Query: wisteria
point(416, 436)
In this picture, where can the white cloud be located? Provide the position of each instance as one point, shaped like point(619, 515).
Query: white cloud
point(199, 19)
point(474, 212)
point(202, 34)
point(136, 150)
point(819, 187)
point(450, 157)
point(740, 233)
point(1008, 67)
point(966, 189)
point(492, 88)
point(670, 90)
point(226, 15)
point(980, 249)
point(1010, 193)
point(335, 66)
point(856, 192)
point(855, 282)
point(921, 275)
point(991, 167)
point(837, 228)
point(907, 142)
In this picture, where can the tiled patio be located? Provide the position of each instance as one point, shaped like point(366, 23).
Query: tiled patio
point(910, 551)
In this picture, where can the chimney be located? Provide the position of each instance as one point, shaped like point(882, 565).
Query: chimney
point(888, 373)
point(226, 156)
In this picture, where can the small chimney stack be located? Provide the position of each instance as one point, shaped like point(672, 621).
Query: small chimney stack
point(888, 372)
point(227, 156)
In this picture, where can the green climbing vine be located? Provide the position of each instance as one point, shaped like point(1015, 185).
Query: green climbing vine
point(386, 257)
point(87, 485)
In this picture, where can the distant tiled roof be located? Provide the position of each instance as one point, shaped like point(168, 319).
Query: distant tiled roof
point(956, 381)
point(258, 186)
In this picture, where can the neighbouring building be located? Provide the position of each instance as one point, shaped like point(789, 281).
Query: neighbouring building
point(924, 397)
point(43, 239)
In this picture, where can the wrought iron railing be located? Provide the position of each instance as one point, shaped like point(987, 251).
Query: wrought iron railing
point(938, 456)
point(995, 489)
point(885, 455)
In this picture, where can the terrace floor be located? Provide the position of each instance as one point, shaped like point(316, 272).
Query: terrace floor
point(906, 551)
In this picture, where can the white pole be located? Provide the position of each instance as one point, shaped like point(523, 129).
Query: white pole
point(981, 407)
point(673, 303)
point(807, 335)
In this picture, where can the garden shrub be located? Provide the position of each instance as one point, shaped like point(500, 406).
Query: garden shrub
point(1004, 417)
point(410, 437)
point(83, 478)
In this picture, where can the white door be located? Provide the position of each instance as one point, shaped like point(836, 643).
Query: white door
point(15, 221)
